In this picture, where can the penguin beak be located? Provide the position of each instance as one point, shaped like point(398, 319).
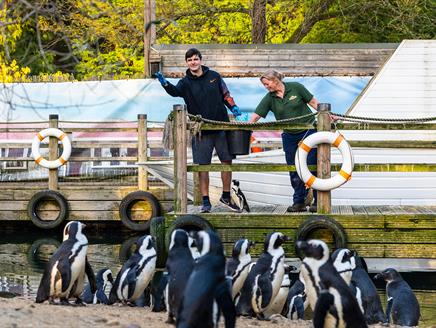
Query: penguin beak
point(286, 238)
point(378, 276)
point(251, 243)
point(302, 245)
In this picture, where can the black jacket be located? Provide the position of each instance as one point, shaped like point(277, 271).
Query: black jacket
point(206, 95)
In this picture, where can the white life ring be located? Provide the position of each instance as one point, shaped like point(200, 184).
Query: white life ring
point(51, 132)
point(335, 139)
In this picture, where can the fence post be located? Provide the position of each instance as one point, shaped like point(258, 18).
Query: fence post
point(323, 160)
point(180, 159)
point(197, 193)
point(142, 152)
point(53, 153)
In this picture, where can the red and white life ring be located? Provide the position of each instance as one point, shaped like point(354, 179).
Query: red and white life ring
point(51, 132)
point(335, 139)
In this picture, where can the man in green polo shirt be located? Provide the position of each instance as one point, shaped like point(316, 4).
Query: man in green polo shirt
point(288, 100)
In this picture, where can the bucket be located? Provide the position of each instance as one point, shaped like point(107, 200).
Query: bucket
point(239, 141)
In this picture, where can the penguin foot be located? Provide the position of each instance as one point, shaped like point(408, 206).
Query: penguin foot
point(260, 316)
point(79, 302)
point(385, 324)
point(64, 301)
point(170, 320)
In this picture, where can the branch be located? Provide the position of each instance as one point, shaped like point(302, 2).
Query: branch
point(312, 16)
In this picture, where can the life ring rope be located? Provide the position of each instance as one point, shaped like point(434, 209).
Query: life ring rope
point(66, 144)
point(336, 139)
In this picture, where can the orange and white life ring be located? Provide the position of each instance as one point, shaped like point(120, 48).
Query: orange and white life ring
point(335, 139)
point(51, 132)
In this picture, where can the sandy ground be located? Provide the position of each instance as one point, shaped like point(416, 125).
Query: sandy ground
point(21, 313)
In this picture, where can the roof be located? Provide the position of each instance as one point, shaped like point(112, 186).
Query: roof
point(404, 87)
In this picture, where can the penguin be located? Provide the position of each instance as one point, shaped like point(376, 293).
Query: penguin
point(238, 197)
point(331, 299)
point(278, 304)
point(238, 265)
point(296, 302)
point(402, 304)
point(344, 262)
point(179, 267)
point(65, 272)
point(207, 284)
point(372, 307)
point(104, 281)
point(136, 273)
point(264, 280)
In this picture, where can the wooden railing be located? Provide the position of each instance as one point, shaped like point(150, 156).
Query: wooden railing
point(138, 134)
point(324, 167)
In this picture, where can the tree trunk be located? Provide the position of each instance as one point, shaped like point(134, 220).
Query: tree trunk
point(258, 21)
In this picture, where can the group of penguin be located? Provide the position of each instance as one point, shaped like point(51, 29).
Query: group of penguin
point(199, 285)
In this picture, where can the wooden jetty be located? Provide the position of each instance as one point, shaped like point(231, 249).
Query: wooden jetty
point(93, 193)
point(374, 231)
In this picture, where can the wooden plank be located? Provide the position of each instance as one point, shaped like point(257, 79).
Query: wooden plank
point(365, 250)
point(371, 236)
point(116, 193)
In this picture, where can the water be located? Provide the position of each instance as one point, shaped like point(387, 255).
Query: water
point(24, 252)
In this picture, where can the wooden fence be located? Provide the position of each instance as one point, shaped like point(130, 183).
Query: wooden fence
point(91, 193)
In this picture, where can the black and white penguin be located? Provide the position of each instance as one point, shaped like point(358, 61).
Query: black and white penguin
point(276, 307)
point(296, 302)
point(265, 278)
point(237, 266)
point(179, 267)
point(345, 263)
point(207, 284)
point(238, 197)
point(136, 273)
point(372, 307)
point(268, 273)
point(402, 306)
point(64, 274)
point(104, 281)
point(329, 296)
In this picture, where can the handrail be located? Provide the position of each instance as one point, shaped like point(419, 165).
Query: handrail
point(323, 152)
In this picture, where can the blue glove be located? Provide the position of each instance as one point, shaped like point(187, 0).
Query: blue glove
point(161, 78)
point(236, 111)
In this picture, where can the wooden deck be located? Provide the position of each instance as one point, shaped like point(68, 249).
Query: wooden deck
point(338, 209)
point(374, 231)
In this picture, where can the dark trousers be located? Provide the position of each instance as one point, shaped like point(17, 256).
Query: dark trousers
point(290, 146)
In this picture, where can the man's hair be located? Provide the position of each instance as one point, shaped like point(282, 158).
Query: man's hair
point(192, 52)
point(272, 75)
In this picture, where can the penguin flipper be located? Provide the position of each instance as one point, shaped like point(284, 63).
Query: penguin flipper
point(65, 271)
point(389, 309)
point(299, 307)
point(223, 297)
point(323, 304)
point(91, 276)
point(43, 292)
point(130, 281)
point(101, 297)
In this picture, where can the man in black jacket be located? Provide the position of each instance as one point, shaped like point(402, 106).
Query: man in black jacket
point(206, 94)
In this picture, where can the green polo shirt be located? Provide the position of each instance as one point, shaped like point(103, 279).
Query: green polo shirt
point(293, 104)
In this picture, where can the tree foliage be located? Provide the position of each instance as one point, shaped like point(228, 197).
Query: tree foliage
point(98, 38)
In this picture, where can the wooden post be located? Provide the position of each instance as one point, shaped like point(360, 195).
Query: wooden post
point(197, 193)
point(142, 152)
point(323, 160)
point(180, 158)
point(53, 153)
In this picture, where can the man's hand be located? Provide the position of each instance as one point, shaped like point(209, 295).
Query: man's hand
point(236, 111)
point(163, 81)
